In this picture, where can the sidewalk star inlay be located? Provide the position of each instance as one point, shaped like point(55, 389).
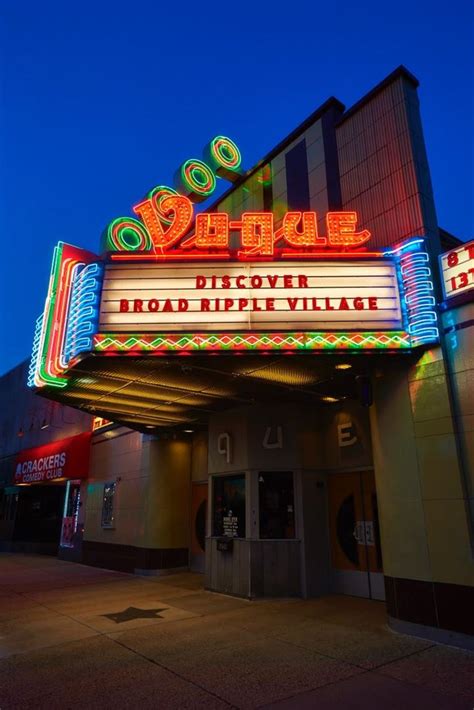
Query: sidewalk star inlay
point(132, 613)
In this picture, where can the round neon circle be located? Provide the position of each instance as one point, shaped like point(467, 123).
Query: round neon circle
point(198, 177)
point(226, 153)
point(128, 234)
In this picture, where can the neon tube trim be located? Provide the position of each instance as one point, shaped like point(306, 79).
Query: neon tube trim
point(83, 312)
point(224, 158)
point(43, 372)
point(416, 291)
point(47, 363)
point(133, 343)
point(34, 363)
point(206, 256)
point(196, 180)
point(67, 327)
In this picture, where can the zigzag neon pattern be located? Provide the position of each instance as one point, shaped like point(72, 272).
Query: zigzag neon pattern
point(130, 344)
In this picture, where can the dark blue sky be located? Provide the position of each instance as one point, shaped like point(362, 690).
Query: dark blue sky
point(102, 100)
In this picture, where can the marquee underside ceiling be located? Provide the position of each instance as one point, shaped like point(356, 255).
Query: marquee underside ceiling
point(173, 393)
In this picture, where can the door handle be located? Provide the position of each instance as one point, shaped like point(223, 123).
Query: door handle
point(364, 532)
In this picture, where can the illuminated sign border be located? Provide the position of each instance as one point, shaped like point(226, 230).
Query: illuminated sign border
point(73, 302)
point(108, 343)
point(253, 297)
point(49, 361)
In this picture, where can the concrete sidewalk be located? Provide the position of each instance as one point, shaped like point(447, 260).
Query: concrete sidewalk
point(77, 637)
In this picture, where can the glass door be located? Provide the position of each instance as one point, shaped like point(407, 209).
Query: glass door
point(356, 555)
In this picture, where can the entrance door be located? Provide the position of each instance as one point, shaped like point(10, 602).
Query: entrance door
point(198, 526)
point(72, 502)
point(355, 537)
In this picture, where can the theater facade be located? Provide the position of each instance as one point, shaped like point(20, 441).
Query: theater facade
point(288, 370)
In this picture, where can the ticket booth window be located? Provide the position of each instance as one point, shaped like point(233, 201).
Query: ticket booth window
point(108, 519)
point(229, 506)
point(276, 505)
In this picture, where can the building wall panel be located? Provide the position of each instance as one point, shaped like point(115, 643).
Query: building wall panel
point(383, 166)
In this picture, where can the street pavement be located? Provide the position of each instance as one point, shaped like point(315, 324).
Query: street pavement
point(73, 636)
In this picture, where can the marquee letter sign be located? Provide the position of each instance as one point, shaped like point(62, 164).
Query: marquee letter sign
point(457, 270)
point(166, 219)
point(357, 301)
point(259, 296)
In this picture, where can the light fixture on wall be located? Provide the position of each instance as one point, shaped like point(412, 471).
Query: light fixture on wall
point(48, 417)
point(343, 366)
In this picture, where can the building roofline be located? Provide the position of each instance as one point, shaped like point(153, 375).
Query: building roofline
point(448, 240)
point(331, 102)
point(399, 72)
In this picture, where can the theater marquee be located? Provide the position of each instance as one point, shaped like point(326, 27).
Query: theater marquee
point(300, 295)
point(175, 282)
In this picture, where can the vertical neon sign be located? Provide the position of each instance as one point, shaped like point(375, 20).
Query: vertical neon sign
point(48, 364)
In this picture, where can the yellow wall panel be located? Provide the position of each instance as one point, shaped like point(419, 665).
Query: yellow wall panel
point(439, 471)
point(404, 544)
point(169, 494)
point(448, 541)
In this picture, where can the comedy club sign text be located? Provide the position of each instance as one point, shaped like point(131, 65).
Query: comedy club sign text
point(66, 458)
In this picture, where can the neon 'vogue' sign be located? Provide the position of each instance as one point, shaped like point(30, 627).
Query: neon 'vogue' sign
point(164, 228)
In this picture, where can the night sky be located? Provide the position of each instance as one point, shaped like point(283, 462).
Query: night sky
point(103, 100)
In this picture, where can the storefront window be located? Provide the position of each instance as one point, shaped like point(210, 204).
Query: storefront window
point(108, 520)
point(276, 505)
point(72, 504)
point(229, 506)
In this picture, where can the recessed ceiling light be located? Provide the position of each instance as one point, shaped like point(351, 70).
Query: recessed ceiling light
point(330, 399)
point(149, 426)
point(188, 431)
point(343, 366)
point(86, 381)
